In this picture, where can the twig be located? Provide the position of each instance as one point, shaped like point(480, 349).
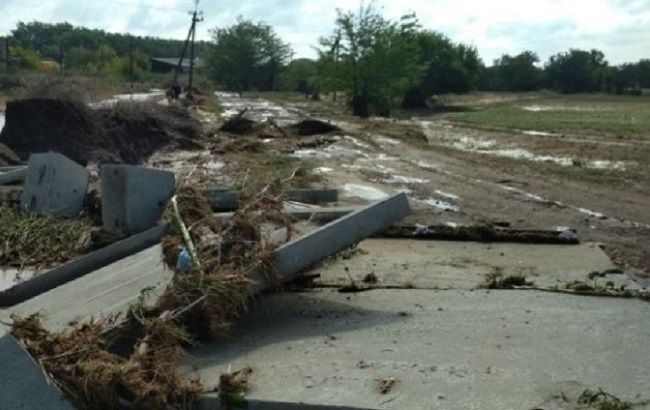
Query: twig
point(186, 235)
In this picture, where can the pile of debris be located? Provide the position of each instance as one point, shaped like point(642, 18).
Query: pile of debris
point(123, 134)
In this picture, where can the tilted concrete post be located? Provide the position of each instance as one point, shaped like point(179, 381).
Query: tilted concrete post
point(134, 198)
point(54, 185)
point(299, 254)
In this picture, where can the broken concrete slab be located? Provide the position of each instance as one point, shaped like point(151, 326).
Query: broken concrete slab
point(134, 198)
point(79, 267)
point(464, 265)
point(54, 185)
point(448, 349)
point(11, 176)
point(301, 253)
point(106, 291)
point(23, 384)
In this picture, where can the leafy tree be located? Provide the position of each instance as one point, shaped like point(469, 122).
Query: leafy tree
point(373, 59)
point(24, 58)
point(246, 55)
point(517, 73)
point(299, 75)
point(577, 71)
point(449, 68)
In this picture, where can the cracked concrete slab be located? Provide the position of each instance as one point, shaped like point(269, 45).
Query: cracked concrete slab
point(448, 349)
point(464, 265)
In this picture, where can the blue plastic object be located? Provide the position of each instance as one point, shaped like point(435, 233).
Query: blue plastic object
point(184, 261)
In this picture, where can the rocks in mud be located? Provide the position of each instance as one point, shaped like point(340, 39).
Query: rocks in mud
point(241, 125)
point(313, 127)
point(117, 135)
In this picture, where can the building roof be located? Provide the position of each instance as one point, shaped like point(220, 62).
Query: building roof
point(173, 61)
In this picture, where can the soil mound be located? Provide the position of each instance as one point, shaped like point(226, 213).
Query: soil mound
point(127, 134)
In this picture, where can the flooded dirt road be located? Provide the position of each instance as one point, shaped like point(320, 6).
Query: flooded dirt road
point(460, 175)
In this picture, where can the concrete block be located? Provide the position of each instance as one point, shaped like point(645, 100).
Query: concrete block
point(295, 256)
point(134, 198)
point(319, 215)
point(313, 196)
point(54, 185)
point(81, 266)
point(11, 176)
point(23, 384)
point(222, 200)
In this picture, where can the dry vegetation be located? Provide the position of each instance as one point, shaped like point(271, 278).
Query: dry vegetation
point(131, 363)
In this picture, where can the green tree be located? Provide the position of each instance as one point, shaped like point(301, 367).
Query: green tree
point(449, 68)
point(373, 59)
point(577, 71)
point(246, 55)
point(299, 75)
point(517, 73)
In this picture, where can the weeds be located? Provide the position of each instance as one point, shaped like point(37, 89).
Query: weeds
point(40, 241)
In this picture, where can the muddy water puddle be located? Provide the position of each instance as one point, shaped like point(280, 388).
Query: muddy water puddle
point(256, 109)
point(133, 97)
point(492, 147)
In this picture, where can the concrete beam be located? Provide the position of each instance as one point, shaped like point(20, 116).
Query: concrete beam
point(23, 384)
point(82, 266)
point(297, 255)
point(313, 196)
point(227, 200)
point(12, 176)
point(134, 198)
point(54, 185)
point(321, 215)
point(222, 200)
point(212, 401)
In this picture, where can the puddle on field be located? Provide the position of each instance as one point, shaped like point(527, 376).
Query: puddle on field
point(540, 133)
point(560, 108)
point(184, 163)
point(385, 141)
point(133, 97)
point(490, 147)
point(11, 277)
point(256, 109)
point(364, 192)
point(441, 205)
point(447, 195)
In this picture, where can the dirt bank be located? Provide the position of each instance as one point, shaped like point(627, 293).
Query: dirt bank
point(128, 134)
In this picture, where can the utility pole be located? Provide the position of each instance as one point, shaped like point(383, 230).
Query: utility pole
point(196, 18)
point(7, 56)
point(335, 54)
point(191, 35)
point(131, 57)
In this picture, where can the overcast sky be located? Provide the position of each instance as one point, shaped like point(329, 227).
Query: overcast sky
point(620, 28)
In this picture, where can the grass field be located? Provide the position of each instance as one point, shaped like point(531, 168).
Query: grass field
point(597, 114)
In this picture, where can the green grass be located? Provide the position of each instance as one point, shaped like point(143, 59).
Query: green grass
point(619, 116)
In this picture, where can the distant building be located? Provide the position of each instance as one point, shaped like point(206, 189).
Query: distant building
point(166, 65)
